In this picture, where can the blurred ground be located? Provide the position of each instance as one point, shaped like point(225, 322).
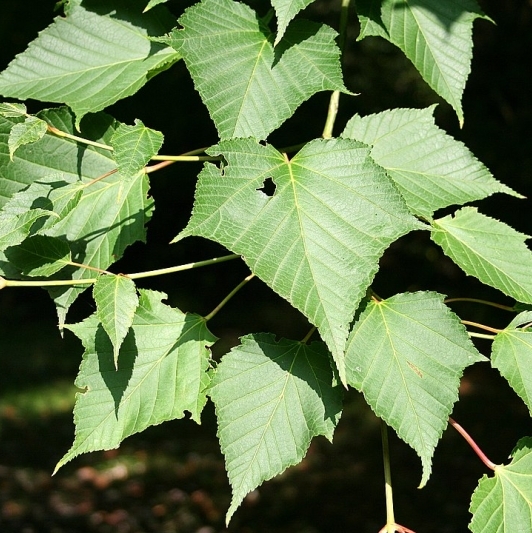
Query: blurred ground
point(171, 478)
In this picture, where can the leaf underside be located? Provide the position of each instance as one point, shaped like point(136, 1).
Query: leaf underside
point(162, 371)
point(406, 355)
point(317, 241)
point(271, 399)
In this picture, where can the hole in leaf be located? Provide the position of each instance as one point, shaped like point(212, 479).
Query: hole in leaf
point(268, 187)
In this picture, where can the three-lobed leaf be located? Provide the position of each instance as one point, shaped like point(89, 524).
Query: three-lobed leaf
point(162, 372)
point(504, 501)
point(436, 36)
point(488, 249)
point(317, 241)
point(512, 355)
point(249, 87)
point(72, 61)
point(406, 355)
point(431, 169)
point(116, 302)
point(271, 399)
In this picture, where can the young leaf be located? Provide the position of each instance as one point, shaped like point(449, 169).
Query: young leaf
point(286, 10)
point(504, 502)
point(91, 75)
point(31, 130)
point(271, 398)
point(162, 372)
point(490, 250)
point(11, 110)
point(406, 355)
point(431, 169)
point(134, 146)
point(434, 35)
point(317, 241)
point(249, 88)
point(512, 356)
point(116, 302)
point(40, 255)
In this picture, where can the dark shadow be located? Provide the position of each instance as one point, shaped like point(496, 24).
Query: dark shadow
point(116, 379)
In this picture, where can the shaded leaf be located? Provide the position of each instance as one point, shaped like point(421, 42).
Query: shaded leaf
point(490, 250)
point(162, 373)
point(27, 132)
point(271, 399)
point(431, 169)
point(40, 255)
point(134, 146)
point(116, 302)
point(249, 88)
point(406, 355)
point(504, 501)
point(286, 10)
point(91, 75)
point(317, 241)
point(512, 356)
point(436, 36)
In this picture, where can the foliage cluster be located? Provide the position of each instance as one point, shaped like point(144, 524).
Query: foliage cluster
point(311, 221)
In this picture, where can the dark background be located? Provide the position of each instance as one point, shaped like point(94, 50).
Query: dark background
point(171, 478)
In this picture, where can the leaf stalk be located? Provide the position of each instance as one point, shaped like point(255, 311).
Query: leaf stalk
point(482, 456)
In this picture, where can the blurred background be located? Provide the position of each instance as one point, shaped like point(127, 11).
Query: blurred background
point(171, 477)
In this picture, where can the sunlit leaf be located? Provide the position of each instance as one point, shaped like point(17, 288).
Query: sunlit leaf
point(40, 255)
point(134, 146)
point(10, 110)
point(116, 302)
point(436, 36)
point(317, 241)
point(249, 87)
point(406, 355)
point(503, 503)
point(153, 3)
point(271, 399)
point(490, 250)
point(430, 168)
point(512, 355)
point(162, 373)
point(74, 60)
point(27, 132)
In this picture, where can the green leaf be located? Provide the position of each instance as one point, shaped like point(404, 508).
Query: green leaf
point(430, 168)
point(116, 302)
point(271, 399)
point(512, 356)
point(286, 10)
point(490, 250)
point(134, 146)
point(40, 255)
point(406, 355)
point(317, 241)
point(162, 372)
point(31, 130)
point(48, 197)
point(436, 36)
point(111, 213)
point(10, 110)
point(249, 88)
point(74, 62)
point(504, 502)
point(153, 3)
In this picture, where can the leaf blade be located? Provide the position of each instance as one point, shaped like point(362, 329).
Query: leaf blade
point(406, 355)
point(271, 399)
